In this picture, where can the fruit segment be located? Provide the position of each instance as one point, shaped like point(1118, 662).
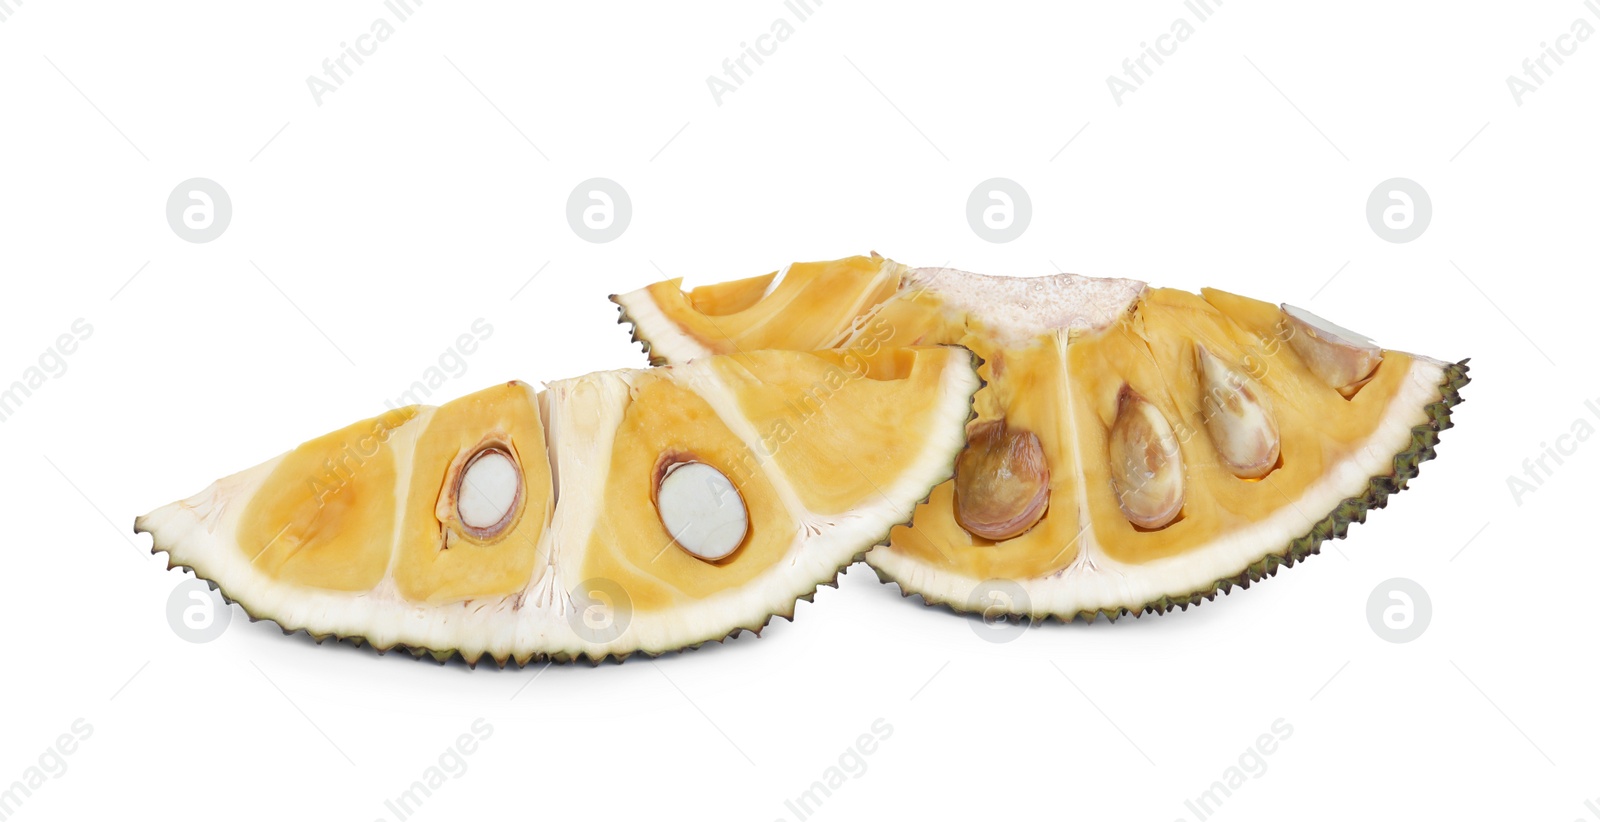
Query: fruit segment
point(326, 513)
point(804, 307)
point(1135, 448)
point(440, 556)
point(619, 512)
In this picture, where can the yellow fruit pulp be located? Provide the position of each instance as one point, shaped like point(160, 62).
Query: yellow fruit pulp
point(372, 503)
point(811, 308)
point(1062, 386)
point(437, 559)
point(326, 515)
point(822, 425)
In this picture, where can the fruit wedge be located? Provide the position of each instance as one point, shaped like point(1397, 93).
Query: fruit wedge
point(1135, 448)
point(620, 512)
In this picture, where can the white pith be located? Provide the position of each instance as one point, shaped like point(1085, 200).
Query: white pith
point(777, 280)
point(1015, 311)
point(667, 341)
point(581, 417)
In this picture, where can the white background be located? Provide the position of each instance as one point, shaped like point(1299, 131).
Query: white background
point(375, 228)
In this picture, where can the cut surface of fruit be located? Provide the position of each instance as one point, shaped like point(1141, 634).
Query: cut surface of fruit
point(702, 510)
point(1002, 482)
point(1135, 448)
point(619, 512)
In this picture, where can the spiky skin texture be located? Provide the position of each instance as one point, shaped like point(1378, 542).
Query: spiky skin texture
point(443, 656)
point(635, 336)
point(1005, 315)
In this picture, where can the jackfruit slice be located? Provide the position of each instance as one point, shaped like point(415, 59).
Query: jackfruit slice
point(619, 512)
point(1135, 448)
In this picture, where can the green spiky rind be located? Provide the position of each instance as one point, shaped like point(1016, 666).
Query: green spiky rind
point(1407, 464)
point(444, 655)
